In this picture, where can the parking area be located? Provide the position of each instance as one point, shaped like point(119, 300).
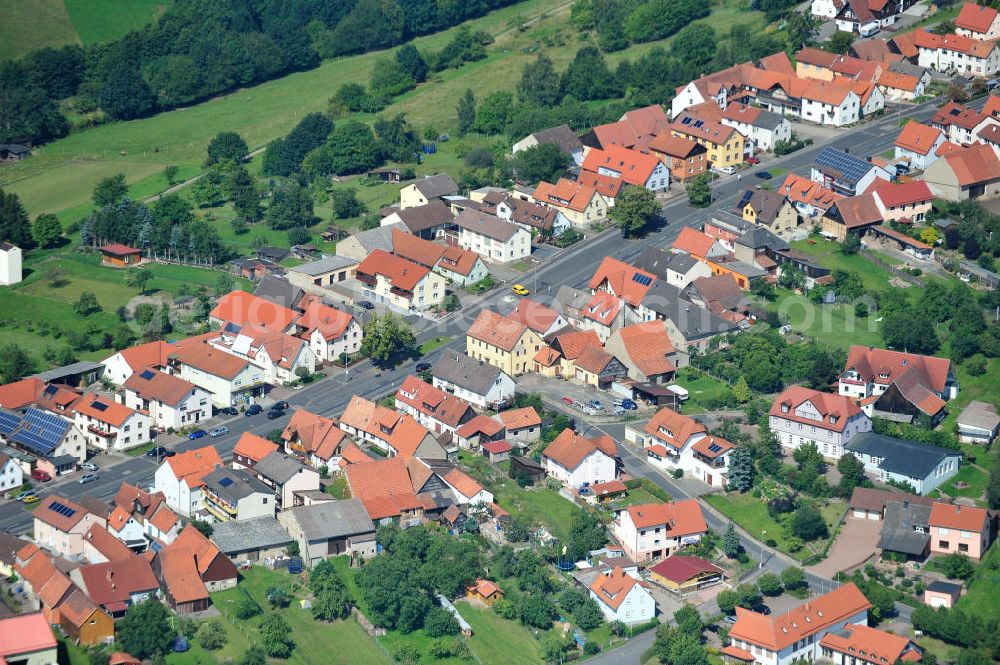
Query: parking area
point(855, 545)
point(560, 390)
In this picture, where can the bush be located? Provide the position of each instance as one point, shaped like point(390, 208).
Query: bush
point(246, 608)
point(439, 622)
point(212, 635)
point(808, 524)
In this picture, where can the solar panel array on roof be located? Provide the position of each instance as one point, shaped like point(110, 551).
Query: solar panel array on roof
point(747, 195)
point(226, 482)
point(849, 167)
point(8, 422)
point(62, 509)
point(49, 391)
point(644, 280)
point(714, 448)
point(40, 431)
point(100, 406)
point(147, 374)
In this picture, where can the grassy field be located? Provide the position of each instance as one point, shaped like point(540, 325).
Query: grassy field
point(496, 641)
point(32, 25)
point(315, 641)
point(267, 111)
point(981, 598)
point(973, 477)
point(702, 391)
point(751, 514)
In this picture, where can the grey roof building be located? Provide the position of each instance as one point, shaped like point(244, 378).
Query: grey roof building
point(423, 220)
point(560, 135)
point(278, 291)
point(378, 238)
point(978, 423)
point(234, 484)
point(436, 186)
point(486, 224)
point(79, 373)
point(465, 372)
point(690, 325)
point(323, 266)
point(279, 468)
point(923, 466)
point(251, 540)
point(658, 262)
point(906, 528)
point(330, 529)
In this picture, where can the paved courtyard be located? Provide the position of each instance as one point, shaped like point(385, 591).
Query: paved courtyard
point(855, 544)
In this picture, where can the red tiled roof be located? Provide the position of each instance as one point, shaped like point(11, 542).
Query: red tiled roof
point(458, 260)
point(180, 575)
point(103, 409)
point(497, 330)
point(918, 137)
point(485, 588)
point(547, 356)
point(680, 568)
point(976, 18)
point(383, 486)
point(150, 354)
point(681, 518)
point(894, 194)
point(533, 314)
point(974, 164)
point(497, 447)
point(826, 93)
point(702, 127)
point(116, 581)
point(605, 185)
point(693, 242)
point(404, 434)
point(570, 449)
point(191, 466)
point(672, 428)
point(256, 447)
point(712, 446)
point(248, 311)
point(839, 407)
point(736, 652)
point(101, 539)
point(869, 644)
point(778, 632)
point(804, 190)
point(117, 249)
point(593, 359)
point(610, 487)
point(572, 344)
point(777, 62)
point(515, 419)
point(675, 146)
point(963, 518)
point(952, 42)
point(432, 402)
point(416, 249)
point(603, 308)
point(59, 520)
point(318, 435)
point(564, 194)
point(898, 81)
point(402, 273)
point(200, 355)
point(612, 587)
point(480, 424)
point(632, 166)
point(463, 483)
point(816, 57)
point(25, 634)
point(331, 322)
point(627, 282)
point(870, 363)
point(857, 211)
point(159, 386)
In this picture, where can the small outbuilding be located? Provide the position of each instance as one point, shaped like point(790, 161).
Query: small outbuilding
point(117, 255)
point(485, 591)
point(496, 451)
point(681, 573)
point(978, 423)
point(942, 594)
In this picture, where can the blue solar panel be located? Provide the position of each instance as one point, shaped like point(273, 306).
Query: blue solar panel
point(226, 481)
point(714, 448)
point(147, 374)
point(62, 509)
point(644, 280)
point(850, 168)
point(100, 406)
point(40, 431)
point(8, 422)
point(747, 195)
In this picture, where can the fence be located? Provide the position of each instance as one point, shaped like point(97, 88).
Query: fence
point(888, 267)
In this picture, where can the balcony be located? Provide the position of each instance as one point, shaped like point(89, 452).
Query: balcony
point(94, 429)
point(718, 463)
point(402, 293)
point(366, 279)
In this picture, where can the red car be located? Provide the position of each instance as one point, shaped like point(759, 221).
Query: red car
point(753, 160)
point(40, 475)
point(568, 400)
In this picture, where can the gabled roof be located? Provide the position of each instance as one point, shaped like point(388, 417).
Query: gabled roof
point(953, 113)
point(435, 186)
point(680, 568)
point(116, 581)
point(898, 81)
point(150, 354)
point(702, 127)
point(25, 634)
point(318, 435)
point(918, 137)
point(648, 345)
point(870, 644)
point(458, 260)
point(481, 424)
point(562, 136)
point(152, 384)
point(535, 315)
point(383, 486)
point(197, 353)
point(635, 128)
point(191, 466)
point(894, 194)
point(333, 519)
point(514, 419)
point(432, 402)
point(498, 330)
point(952, 42)
point(569, 449)
point(612, 587)
point(564, 194)
point(118, 249)
point(673, 428)
point(487, 225)
point(778, 632)
point(402, 273)
point(826, 93)
point(248, 311)
point(803, 190)
point(815, 57)
point(777, 62)
point(416, 249)
point(572, 344)
point(906, 458)
point(594, 359)
point(603, 308)
point(766, 204)
point(605, 185)
point(857, 211)
point(331, 322)
point(974, 164)
point(838, 408)
point(976, 18)
point(104, 410)
point(104, 542)
point(378, 238)
point(59, 512)
point(278, 291)
point(963, 518)
point(871, 363)
point(681, 518)
point(693, 242)
point(625, 281)
point(404, 433)
point(280, 468)
point(675, 146)
point(632, 166)
point(465, 372)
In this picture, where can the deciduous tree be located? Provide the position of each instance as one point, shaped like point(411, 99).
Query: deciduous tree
point(466, 112)
point(226, 146)
point(387, 338)
point(46, 231)
point(539, 84)
point(145, 630)
point(634, 209)
point(699, 190)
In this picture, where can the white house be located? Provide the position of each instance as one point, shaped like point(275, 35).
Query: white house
point(825, 8)
point(956, 53)
point(577, 461)
point(11, 474)
point(623, 597)
point(170, 401)
point(230, 380)
point(672, 441)
point(978, 22)
point(461, 266)
point(761, 128)
point(829, 104)
point(479, 383)
point(652, 531)
point(492, 238)
point(800, 415)
point(631, 166)
point(181, 479)
point(108, 425)
point(48, 438)
point(329, 331)
point(433, 408)
point(282, 357)
point(126, 528)
point(918, 144)
point(921, 465)
point(120, 366)
point(795, 635)
point(10, 264)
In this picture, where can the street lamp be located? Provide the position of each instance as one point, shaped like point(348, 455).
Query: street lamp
point(762, 533)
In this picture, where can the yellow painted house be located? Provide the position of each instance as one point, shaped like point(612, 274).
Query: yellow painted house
point(724, 144)
point(502, 342)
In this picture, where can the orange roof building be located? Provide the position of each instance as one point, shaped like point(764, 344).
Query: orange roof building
point(620, 279)
point(396, 433)
point(522, 424)
point(966, 173)
point(239, 309)
point(978, 22)
point(251, 449)
point(179, 478)
point(541, 319)
point(432, 407)
point(398, 280)
point(503, 342)
point(622, 597)
point(316, 438)
point(579, 203)
point(962, 529)
point(900, 383)
point(798, 632)
point(799, 414)
point(869, 644)
point(646, 351)
point(652, 531)
point(579, 461)
point(630, 166)
point(25, 637)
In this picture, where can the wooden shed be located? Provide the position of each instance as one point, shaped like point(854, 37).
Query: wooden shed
point(120, 256)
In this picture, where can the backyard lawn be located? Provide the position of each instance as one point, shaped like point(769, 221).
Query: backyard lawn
point(973, 480)
point(496, 641)
point(981, 597)
point(751, 514)
point(542, 506)
point(702, 390)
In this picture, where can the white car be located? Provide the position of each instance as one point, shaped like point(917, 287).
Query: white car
point(219, 431)
point(89, 466)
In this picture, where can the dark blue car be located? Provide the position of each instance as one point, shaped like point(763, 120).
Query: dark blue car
point(197, 434)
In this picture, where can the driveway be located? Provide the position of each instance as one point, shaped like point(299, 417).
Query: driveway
point(855, 545)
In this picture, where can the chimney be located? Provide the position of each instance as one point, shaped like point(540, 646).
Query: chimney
point(110, 574)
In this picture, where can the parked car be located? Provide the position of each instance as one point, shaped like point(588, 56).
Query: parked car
point(30, 499)
point(568, 400)
point(21, 496)
point(365, 304)
point(520, 290)
point(763, 175)
point(229, 411)
point(761, 609)
point(596, 403)
point(629, 405)
point(753, 160)
point(423, 367)
point(40, 475)
point(88, 466)
point(88, 478)
point(197, 434)
point(253, 410)
point(280, 406)
point(159, 452)
point(219, 431)
point(275, 413)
